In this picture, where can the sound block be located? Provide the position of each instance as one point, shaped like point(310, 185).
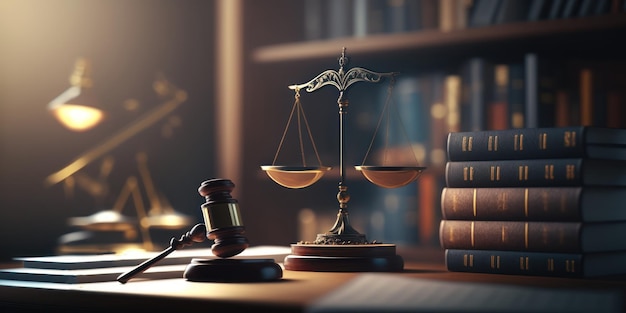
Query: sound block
point(233, 270)
point(344, 258)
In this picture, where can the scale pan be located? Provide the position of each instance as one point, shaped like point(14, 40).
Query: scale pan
point(390, 176)
point(106, 220)
point(295, 176)
point(173, 220)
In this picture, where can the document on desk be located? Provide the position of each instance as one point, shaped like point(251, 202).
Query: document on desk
point(76, 269)
point(384, 292)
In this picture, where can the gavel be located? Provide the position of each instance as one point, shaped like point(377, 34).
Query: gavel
point(223, 225)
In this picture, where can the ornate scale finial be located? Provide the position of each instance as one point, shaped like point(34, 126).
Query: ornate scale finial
point(343, 60)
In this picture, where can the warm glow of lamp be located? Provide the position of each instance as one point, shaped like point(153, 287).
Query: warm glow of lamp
point(77, 108)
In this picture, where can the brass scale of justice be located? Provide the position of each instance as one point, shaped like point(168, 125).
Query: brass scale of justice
point(341, 249)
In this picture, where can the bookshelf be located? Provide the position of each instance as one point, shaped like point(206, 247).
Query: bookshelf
point(429, 53)
point(469, 40)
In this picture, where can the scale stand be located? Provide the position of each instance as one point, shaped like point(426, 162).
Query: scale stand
point(342, 248)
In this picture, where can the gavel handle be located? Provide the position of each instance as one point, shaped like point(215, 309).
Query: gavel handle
point(196, 234)
point(123, 278)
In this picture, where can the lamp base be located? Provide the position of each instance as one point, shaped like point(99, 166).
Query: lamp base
point(232, 270)
point(344, 258)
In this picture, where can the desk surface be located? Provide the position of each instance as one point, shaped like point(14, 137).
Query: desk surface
point(294, 293)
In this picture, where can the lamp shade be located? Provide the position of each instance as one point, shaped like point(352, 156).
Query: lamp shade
point(77, 107)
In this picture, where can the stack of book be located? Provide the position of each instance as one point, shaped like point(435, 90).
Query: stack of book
point(536, 201)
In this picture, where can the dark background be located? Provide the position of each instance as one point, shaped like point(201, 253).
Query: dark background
point(128, 43)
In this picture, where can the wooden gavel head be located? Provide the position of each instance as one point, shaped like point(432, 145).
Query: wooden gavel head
point(222, 218)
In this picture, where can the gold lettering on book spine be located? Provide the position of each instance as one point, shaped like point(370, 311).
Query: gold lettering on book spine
point(518, 144)
point(522, 172)
point(494, 173)
point(472, 233)
point(492, 144)
point(550, 265)
point(548, 172)
point(501, 201)
point(474, 201)
point(545, 200)
point(503, 234)
point(523, 263)
point(526, 202)
point(570, 171)
point(495, 261)
point(467, 143)
point(569, 139)
point(543, 141)
point(468, 173)
point(570, 266)
point(526, 235)
point(468, 260)
point(455, 201)
point(451, 236)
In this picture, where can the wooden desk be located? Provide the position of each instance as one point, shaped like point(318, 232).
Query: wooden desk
point(294, 293)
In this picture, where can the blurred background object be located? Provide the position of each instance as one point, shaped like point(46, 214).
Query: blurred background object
point(117, 49)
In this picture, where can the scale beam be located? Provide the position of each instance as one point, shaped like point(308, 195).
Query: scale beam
point(342, 80)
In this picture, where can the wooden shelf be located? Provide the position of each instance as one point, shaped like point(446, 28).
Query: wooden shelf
point(581, 28)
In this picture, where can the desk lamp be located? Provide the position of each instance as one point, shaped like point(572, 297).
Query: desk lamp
point(77, 107)
point(161, 214)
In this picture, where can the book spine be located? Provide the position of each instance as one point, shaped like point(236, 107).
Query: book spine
point(498, 115)
point(477, 85)
point(512, 204)
point(561, 237)
point(515, 263)
point(586, 97)
point(523, 143)
point(532, 90)
point(516, 95)
point(527, 173)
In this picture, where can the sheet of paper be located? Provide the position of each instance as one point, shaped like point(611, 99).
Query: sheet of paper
point(384, 292)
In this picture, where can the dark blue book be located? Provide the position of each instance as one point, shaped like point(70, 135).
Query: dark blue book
point(533, 236)
point(339, 18)
point(476, 79)
point(538, 143)
point(574, 265)
point(570, 9)
point(555, 9)
point(531, 83)
point(601, 7)
point(541, 78)
point(512, 11)
point(517, 95)
point(536, 173)
point(563, 204)
point(484, 13)
point(538, 10)
point(585, 8)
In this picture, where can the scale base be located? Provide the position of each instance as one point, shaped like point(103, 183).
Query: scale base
point(344, 258)
point(233, 270)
